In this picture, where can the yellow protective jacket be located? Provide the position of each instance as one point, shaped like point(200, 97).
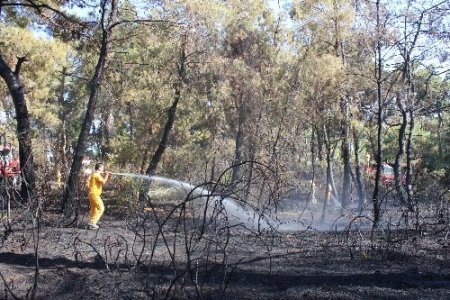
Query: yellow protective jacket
point(96, 184)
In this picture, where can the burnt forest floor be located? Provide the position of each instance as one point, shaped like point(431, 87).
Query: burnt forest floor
point(130, 258)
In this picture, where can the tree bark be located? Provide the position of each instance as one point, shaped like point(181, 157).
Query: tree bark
point(239, 145)
point(400, 153)
point(346, 192)
point(16, 90)
point(313, 165)
point(105, 133)
point(330, 190)
point(409, 158)
point(440, 123)
point(379, 154)
point(130, 109)
point(358, 173)
point(69, 204)
point(60, 151)
point(252, 154)
point(156, 158)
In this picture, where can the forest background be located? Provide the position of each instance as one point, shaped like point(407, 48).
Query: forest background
point(314, 90)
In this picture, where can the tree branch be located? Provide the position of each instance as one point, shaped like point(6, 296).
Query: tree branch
point(20, 61)
point(117, 23)
point(39, 6)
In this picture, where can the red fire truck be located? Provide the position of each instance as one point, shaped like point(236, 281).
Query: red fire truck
point(387, 173)
point(9, 164)
point(9, 177)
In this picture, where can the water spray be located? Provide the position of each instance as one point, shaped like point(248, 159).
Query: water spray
point(143, 176)
point(123, 174)
point(237, 213)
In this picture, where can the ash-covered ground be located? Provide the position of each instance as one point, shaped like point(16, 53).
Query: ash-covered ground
point(172, 252)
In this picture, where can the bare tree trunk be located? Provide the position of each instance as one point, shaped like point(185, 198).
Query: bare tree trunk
point(130, 110)
point(409, 43)
point(69, 205)
point(251, 158)
point(159, 152)
point(60, 145)
point(16, 90)
point(239, 145)
point(378, 69)
point(62, 150)
point(320, 143)
point(105, 133)
point(144, 160)
point(358, 173)
point(146, 154)
point(212, 174)
point(275, 146)
point(252, 152)
point(346, 193)
point(401, 151)
point(330, 188)
point(409, 170)
point(313, 165)
point(212, 125)
point(440, 122)
point(156, 158)
point(346, 155)
point(327, 197)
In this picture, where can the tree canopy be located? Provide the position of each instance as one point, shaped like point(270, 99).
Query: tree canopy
point(284, 83)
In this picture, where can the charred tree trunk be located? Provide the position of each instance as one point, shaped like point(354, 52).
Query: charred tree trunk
point(147, 146)
point(274, 156)
point(16, 90)
point(358, 173)
point(378, 159)
point(331, 150)
point(251, 158)
point(212, 125)
point(239, 146)
point(156, 158)
point(69, 205)
point(346, 155)
point(320, 143)
point(330, 188)
point(379, 154)
point(159, 152)
point(252, 153)
point(440, 123)
point(400, 153)
point(346, 192)
point(212, 173)
point(409, 43)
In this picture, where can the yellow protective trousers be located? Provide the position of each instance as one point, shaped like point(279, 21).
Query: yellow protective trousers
point(96, 208)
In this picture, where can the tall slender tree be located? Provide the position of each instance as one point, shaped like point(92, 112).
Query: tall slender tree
point(108, 18)
point(17, 92)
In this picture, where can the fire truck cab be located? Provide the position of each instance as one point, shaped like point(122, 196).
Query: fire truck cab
point(9, 163)
point(387, 175)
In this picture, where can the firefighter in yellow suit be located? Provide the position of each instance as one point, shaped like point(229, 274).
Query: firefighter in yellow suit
point(96, 183)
